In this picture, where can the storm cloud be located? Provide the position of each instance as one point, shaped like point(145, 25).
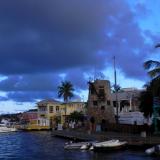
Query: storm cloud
point(41, 39)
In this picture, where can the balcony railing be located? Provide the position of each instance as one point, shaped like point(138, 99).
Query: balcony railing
point(42, 112)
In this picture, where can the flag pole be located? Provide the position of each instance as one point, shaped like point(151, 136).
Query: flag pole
point(115, 86)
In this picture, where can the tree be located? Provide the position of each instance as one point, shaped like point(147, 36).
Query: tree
point(146, 97)
point(146, 103)
point(153, 68)
point(116, 88)
point(65, 90)
point(76, 116)
point(152, 88)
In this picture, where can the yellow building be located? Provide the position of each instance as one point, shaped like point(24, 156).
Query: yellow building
point(51, 112)
point(48, 110)
point(74, 106)
point(71, 107)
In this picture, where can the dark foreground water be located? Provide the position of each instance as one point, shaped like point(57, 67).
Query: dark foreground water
point(42, 145)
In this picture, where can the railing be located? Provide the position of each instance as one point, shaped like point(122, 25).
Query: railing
point(42, 112)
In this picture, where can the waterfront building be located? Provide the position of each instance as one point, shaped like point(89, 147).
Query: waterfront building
point(100, 107)
point(48, 110)
point(74, 106)
point(131, 118)
point(52, 112)
point(29, 119)
point(127, 100)
point(71, 107)
point(128, 106)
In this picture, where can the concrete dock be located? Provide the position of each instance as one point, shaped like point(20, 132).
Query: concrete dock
point(134, 140)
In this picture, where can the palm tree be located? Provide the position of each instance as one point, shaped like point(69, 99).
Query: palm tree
point(65, 90)
point(153, 67)
point(116, 88)
point(146, 102)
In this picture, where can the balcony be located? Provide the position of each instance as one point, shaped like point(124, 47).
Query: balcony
point(42, 112)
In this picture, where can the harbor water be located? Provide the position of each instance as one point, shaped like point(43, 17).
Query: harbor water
point(43, 145)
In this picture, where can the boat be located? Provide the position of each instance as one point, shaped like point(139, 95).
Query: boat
point(7, 129)
point(109, 145)
point(4, 128)
point(153, 151)
point(78, 145)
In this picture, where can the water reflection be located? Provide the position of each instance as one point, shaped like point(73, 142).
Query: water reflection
point(42, 145)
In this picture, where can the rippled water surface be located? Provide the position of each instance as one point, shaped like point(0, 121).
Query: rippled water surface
point(42, 145)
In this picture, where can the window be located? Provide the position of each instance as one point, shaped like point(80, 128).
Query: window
point(95, 103)
point(114, 103)
point(42, 108)
point(50, 109)
point(57, 108)
point(101, 93)
point(108, 103)
point(103, 108)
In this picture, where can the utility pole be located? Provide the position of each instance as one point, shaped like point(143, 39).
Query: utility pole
point(115, 86)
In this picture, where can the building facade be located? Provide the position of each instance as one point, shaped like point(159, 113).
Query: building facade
point(100, 107)
point(29, 119)
point(48, 110)
point(52, 112)
point(128, 100)
point(75, 106)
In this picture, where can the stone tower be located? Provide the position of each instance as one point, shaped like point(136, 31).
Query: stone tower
point(100, 106)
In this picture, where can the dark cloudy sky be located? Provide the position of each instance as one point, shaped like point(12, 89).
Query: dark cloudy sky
point(43, 42)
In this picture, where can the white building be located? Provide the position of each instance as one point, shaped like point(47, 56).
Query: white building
point(128, 100)
point(128, 106)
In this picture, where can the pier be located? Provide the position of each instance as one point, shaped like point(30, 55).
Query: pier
point(134, 140)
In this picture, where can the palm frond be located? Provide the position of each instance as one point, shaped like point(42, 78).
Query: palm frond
point(151, 64)
point(65, 90)
point(146, 85)
point(157, 45)
point(154, 73)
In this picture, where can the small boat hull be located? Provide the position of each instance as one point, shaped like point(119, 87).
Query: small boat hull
point(109, 147)
point(7, 129)
point(76, 145)
point(153, 151)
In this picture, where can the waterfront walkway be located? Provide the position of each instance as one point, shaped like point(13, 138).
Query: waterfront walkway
point(134, 140)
